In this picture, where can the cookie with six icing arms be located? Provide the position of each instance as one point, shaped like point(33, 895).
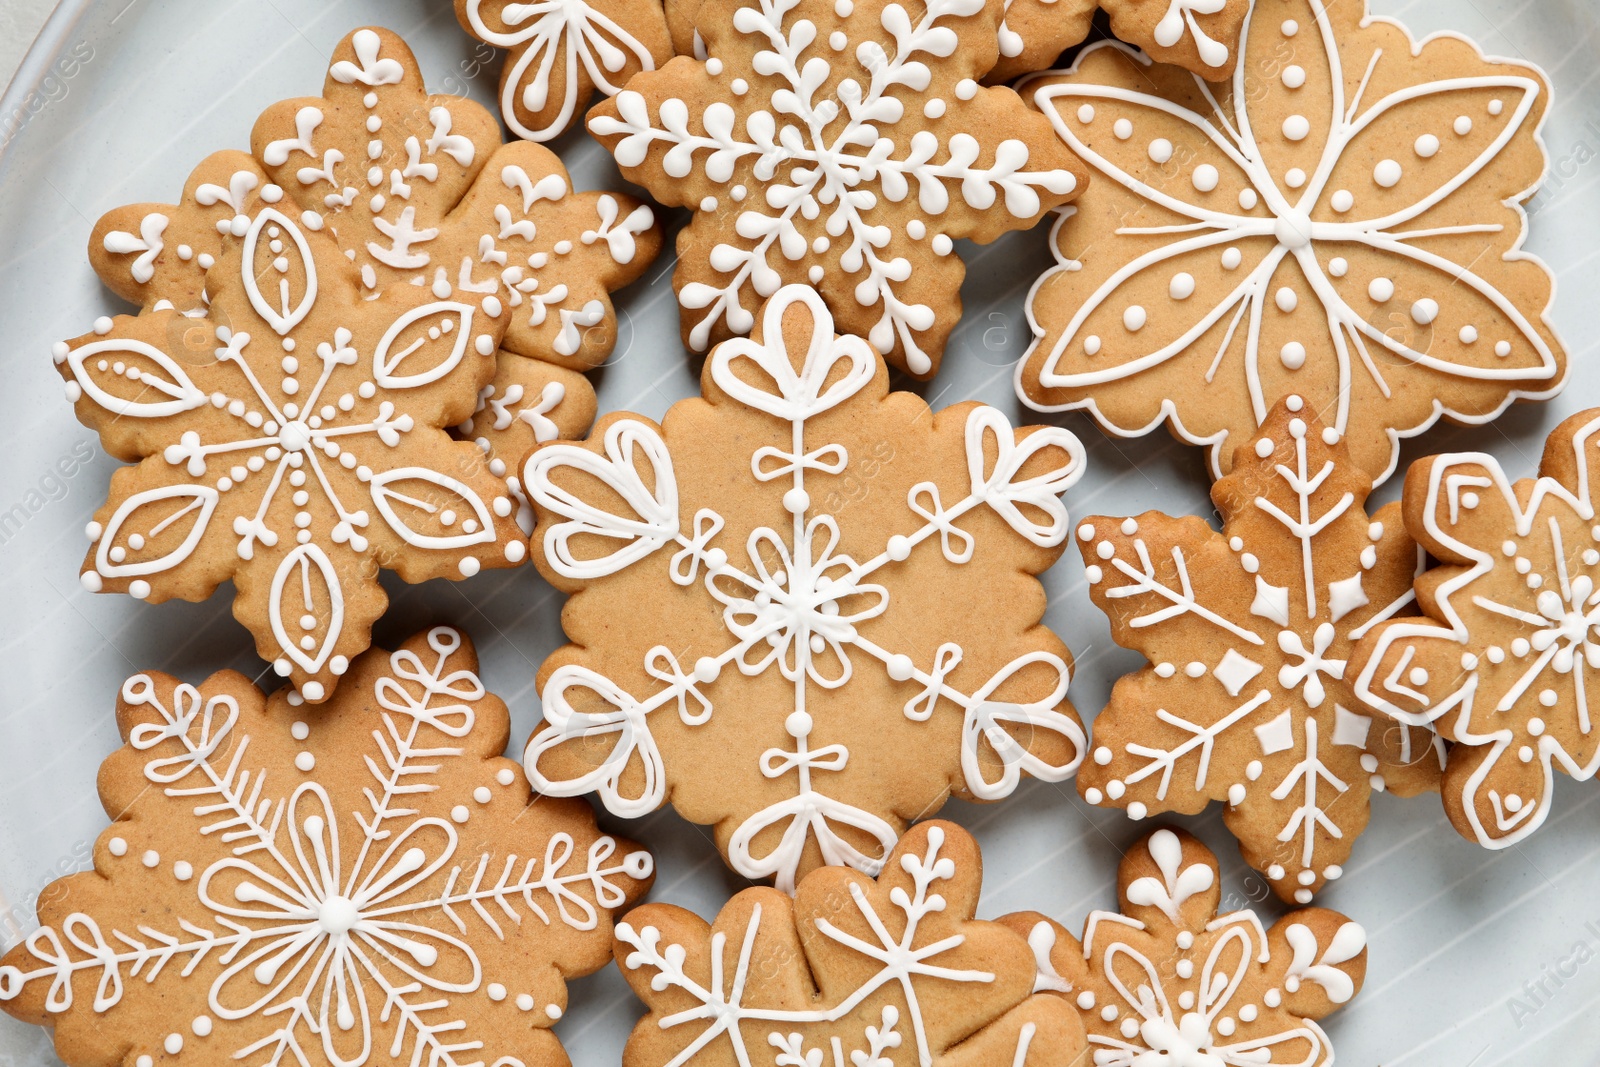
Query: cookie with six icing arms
point(1340, 221)
point(1246, 698)
point(1199, 35)
point(851, 971)
point(292, 437)
point(1506, 663)
point(367, 883)
point(803, 609)
point(559, 55)
point(844, 143)
point(417, 188)
point(1169, 983)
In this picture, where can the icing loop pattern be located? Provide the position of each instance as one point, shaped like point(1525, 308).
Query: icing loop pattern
point(882, 955)
point(801, 621)
point(1200, 35)
point(1169, 982)
point(1248, 633)
point(1505, 665)
point(324, 919)
point(821, 169)
point(1341, 221)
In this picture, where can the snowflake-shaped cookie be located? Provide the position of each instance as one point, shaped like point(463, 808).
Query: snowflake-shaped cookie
point(1507, 663)
point(807, 581)
point(562, 51)
point(368, 884)
point(1200, 35)
point(293, 439)
point(1342, 222)
point(843, 143)
point(850, 971)
point(1247, 633)
point(1169, 983)
point(417, 188)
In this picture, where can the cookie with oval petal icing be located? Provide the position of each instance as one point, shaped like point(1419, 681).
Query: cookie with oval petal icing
point(1341, 220)
point(1200, 35)
point(803, 609)
point(1503, 664)
point(371, 883)
point(1170, 983)
point(560, 55)
point(1246, 699)
point(844, 144)
point(851, 971)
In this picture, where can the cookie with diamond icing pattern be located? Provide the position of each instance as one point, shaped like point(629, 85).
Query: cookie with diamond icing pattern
point(292, 436)
point(1246, 699)
point(1503, 664)
point(561, 54)
point(1342, 221)
point(1170, 983)
point(841, 143)
point(367, 883)
point(850, 971)
point(417, 189)
point(1199, 35)
point(803, 609)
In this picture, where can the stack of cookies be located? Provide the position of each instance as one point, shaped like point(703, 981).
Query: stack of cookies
point(804, 608)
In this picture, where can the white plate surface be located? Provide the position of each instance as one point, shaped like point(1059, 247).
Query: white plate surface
point(1459, 936)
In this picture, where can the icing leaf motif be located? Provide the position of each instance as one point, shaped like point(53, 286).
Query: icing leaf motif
point(1247, 698)
point(1170, 982)
point(446, 513)
point(1505, 662)
point(777, 626)
point(429, 342)
point(307, 600)
point(848, 973)
point(118, 375)
point(358, 886)
point(287, 266)
point(155, 530)
point(1341, 221)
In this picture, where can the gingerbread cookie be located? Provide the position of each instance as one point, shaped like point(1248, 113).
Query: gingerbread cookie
point(291, 436)
point(1502, 665)
point(1341, 221)
point(417, 189)
point(850, 971)
point(1169, 983)
point(560, 55)
point(840, 143)
point(1199, 35)
point(1247, 631)
point(369, 884)
point(804, 609)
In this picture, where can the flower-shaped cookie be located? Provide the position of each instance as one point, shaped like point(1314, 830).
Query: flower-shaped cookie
point(1507, 663)
point(803, 608)
point(293, 439)
point(1247, 632)
point(417, 188)
point(1169, 983)
point(1341, 222)
point(850, 971)
point(368, 884)
point(562, 52)
point(843, 143)
point(1201, 35)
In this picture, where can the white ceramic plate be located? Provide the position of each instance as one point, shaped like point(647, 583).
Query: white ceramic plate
point(122, 97)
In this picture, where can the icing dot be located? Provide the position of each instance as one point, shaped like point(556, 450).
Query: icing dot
point(173, 1044)
point(899, 667)
point(300, 731)
point(1293, 355)
point(183, 870)
point(933, 109)
point(1427, 146)
point(117, 846)
point(1205, 177)
point(201, 1026)
point(1496, 106)
point(1086, 532)
point(1275, 872)
point(1294, 76)
point(1468, 334)
point(1424, 311)
point(1182, 286)
point(496, 991)
point(1137, 811)
point(305, 761)
point(1302, 896)
point(796, 501)
point(1252, 769)
point(1248, 199)
point(1339, 267)
point(1165, 670)
point(1286, 299)
point(966, 89)
point(1093, 796)
point(505, 776)
point(1462, 126)
point(1086, 114)
point(1263, 450)
point(1502, 348)
point(1091, 345)
point(1102, 755)
point(898, 548)
point(482, 794)
point(941, 244)
point(1290, 27)
point(1297, 127)
point(524, 1001)
point(1086, 1000)
point(1231, 258)
point(139, 590)
point(1295, 178)
point(459, 813)
point(1160, 150)
point(1115, 789)
point(1236, 794)
point(151, 858)
point(1134, 318)
point(1387, 173)
point(713, 66)
point(739, 86)
point(553, 1011)
point(1123, 129)
point(1342, 200)
point(1306, 877)
point(1381, 290)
